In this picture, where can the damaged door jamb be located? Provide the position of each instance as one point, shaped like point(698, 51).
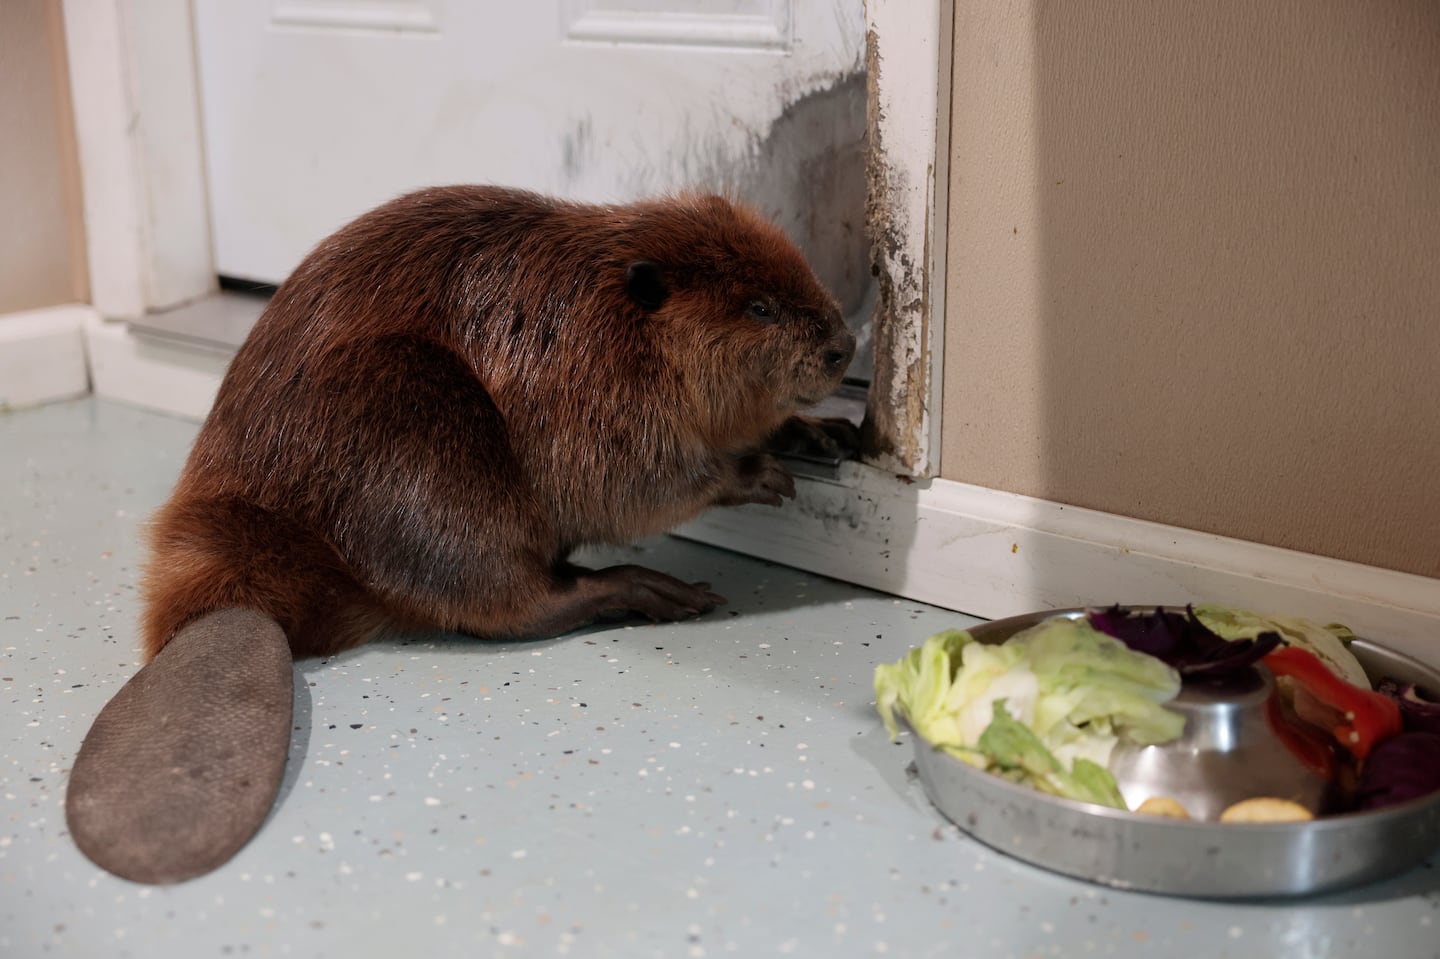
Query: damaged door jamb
point(907, 59)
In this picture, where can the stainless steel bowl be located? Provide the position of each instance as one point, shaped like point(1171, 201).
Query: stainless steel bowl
point(1225, 755)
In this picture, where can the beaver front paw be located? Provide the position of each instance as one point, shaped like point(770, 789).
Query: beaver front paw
point(828, 438)
point(758, 478)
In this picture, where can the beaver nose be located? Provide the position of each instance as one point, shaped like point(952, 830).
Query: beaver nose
point(839, 353)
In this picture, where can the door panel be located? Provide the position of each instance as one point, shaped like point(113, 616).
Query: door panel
point(316, 110)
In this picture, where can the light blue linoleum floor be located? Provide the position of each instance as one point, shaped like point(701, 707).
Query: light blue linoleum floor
point(716, 787)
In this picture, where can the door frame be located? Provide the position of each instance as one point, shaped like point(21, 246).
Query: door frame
point(136, 102)
point(908, 51)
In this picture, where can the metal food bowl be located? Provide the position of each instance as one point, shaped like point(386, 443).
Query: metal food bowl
point(1226, 754)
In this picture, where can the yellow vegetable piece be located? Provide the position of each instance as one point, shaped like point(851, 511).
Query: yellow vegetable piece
point(1266, 809)
point(1163, 806)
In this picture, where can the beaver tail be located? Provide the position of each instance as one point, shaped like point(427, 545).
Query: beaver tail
point(182, 766)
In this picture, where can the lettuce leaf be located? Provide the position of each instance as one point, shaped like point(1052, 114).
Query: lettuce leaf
point(1062, 693)
point(920, 684)
point(1326, 642)
point(1019, 755)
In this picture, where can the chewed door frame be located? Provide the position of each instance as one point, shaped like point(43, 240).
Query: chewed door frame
point(908, 69)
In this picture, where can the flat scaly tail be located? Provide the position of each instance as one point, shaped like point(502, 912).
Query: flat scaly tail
point(181, 768)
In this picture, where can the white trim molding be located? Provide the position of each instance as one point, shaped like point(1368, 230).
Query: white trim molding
point(137, 129)
point(158, 374)
point(992, 554)
point(42, 355)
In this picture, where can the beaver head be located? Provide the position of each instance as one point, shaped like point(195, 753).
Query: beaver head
point(760, 337)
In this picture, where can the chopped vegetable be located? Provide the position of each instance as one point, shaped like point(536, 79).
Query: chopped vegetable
point(1363, 716)
point(1401, 768)
point(920, 685)
point(1418, 713)
point(1014, 748)
point(1183, 641)
point(1092, 683)
point(1266, 809)
point(1326, 642)
point(1075, 690)
point(1315, 748)
point(1163, 806)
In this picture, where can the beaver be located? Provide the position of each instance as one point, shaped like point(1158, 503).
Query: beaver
point(446, 398)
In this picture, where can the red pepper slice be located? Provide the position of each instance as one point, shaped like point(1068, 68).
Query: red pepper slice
point(1312, 746)
point(1368, 716)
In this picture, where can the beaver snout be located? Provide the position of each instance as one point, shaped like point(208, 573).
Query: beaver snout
point(839, 353)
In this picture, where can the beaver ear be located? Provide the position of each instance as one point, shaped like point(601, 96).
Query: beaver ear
point(645, 285)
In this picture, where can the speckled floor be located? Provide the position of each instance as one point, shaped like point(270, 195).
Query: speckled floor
point(718, 787)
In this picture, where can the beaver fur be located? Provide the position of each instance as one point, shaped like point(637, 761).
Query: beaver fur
point(455, 391)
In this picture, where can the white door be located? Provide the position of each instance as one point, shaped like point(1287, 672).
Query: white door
point(316, 110)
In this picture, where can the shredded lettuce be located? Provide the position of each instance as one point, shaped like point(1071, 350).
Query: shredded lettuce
point(919, 684)
point(1326, 642)
point(1045, 708)
point(1017, 753)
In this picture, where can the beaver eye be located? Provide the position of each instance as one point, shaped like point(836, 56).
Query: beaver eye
point(761, 311)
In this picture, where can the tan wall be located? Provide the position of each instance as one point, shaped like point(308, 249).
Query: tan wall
point(42, 259)
point(1194, 266)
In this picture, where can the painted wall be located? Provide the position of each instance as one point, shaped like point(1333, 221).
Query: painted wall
point(1194, 266)
point(42, 258)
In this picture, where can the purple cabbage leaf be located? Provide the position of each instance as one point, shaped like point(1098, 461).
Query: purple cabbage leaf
point(1183, 641)
point(1399, 769)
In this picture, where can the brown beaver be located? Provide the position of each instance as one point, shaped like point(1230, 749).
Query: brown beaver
point(446, 398)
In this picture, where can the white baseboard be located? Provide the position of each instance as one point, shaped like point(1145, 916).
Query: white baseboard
point(162, 375)
point(42, 355)
point(993, 554)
